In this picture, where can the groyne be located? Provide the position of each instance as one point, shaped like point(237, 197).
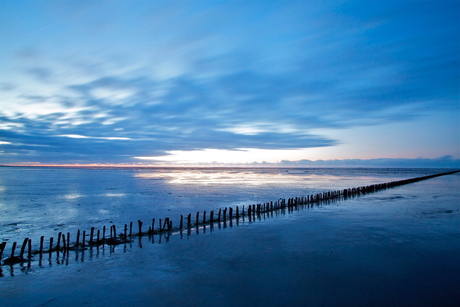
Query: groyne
point(65, 243)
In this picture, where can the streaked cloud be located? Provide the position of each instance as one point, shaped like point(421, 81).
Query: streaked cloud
point(112, 81)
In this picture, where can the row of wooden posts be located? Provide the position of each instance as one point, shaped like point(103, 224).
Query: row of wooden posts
point(96, 238)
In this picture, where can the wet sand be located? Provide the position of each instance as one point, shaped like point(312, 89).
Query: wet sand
point(398, 247)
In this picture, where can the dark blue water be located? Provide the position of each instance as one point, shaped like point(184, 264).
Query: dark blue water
point(396, 247)
point(38, 202)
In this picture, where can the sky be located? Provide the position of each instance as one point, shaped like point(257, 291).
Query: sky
point(282, 83)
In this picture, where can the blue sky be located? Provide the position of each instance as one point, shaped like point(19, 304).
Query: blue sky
point(179, 82)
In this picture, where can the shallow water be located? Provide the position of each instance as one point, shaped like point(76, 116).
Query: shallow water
point(397, 247)
point(38, 202)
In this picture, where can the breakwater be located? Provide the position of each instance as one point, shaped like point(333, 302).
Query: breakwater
point(66, 243)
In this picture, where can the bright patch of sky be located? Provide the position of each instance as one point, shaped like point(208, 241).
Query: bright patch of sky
point(228, 81)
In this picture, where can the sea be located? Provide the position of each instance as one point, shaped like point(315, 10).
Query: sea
point(43, 201)
point(395, 247)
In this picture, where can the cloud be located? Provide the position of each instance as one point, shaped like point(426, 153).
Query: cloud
point(7, 86)
point(225, 76)
point(441, 162)
point(42, 74)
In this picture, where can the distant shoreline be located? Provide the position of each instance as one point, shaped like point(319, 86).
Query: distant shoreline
point(222, 167)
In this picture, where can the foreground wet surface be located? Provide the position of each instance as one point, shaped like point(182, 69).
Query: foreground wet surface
point(395, 247)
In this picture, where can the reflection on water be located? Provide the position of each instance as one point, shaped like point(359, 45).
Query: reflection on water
point(72, 196)
point(229, 177)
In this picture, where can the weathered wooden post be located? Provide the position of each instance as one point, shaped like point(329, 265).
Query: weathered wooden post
point(204, 217)
point(68, 240)
point(126, 231)
point(153, 225)
point(83, 238)
point(23, 248)
point(131, 229)
point(51, 245)
point(29, 254)
point(140, 227)
point(64, 243)
point(211, 216)
point(91, 235)
point(103, 234)
point(237, 212)
point(197, 218)
point(181, 222)
point(42, 239)
point(189, 221)
point(58, 246)
point(2, 248)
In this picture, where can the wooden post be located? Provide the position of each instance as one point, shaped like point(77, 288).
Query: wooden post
point(68, 240)
point(29, 249)
point(98, 236)
point(126, 231)
point(181, 222)
point(42, 238)
point(91, 235)
point(64, 245)
point(159, 226)
point(51, 245)
point(2, 248)
point(230, 214)
point(140, 227)
point(153, 225)
point(211, 216)
point(23, 248)
point(58, 246)
point(103, 234)
point(131, 229)
point(197, 218)
point(237, 212)
point(83, 238)
point(204, 217)
point(218, 215)
point(114, 231)
point(189, 220)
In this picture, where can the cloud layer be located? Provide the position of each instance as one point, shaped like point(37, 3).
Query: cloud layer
point(140, 79)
